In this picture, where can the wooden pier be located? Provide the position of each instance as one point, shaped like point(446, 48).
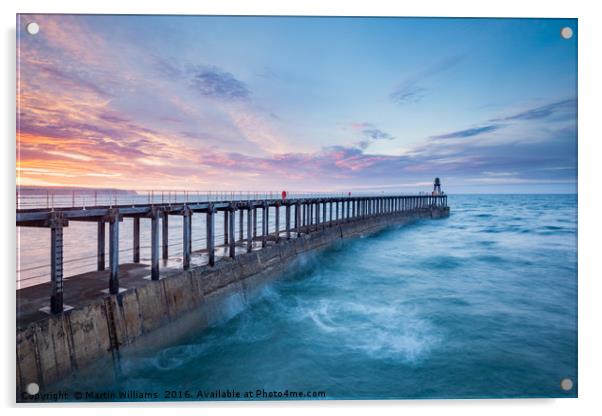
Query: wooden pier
point(301, 216)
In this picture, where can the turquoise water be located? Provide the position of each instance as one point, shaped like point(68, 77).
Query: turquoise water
point(481, 304)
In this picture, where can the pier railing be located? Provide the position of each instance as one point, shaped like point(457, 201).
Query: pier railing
point(65, 198)
point(302, 215)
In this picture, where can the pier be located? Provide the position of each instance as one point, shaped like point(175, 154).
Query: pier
point(302, 216)
point(109, 310)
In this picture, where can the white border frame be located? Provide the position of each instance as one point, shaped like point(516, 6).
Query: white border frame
point(590, 73)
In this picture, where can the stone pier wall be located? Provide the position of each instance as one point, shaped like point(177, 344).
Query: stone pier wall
point(161, 311)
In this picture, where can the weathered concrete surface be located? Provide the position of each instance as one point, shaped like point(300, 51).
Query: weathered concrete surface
point(154, 313)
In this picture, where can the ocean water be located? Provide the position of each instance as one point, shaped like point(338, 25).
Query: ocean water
point(481, 304)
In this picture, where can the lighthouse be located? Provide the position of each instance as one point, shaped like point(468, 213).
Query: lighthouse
point(437, 187)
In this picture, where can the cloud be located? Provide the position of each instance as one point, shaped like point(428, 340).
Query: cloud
point(370, 133)
point(542, 111)
point(410, 90)
point(214, 82)
point(407, 93)
point(376, 134)
point(461, 134)
point(72, 79)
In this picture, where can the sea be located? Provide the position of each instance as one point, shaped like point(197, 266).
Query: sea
point(482, 304)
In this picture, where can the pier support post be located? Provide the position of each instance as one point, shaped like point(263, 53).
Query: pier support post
point(337, 212)
point(288, 221)
point(330, 215)
point(264, 224)
point(56, 223)
point(101, 246)
point(232, 243)
point(277, 221)
point(136, 243)
point(165, 235)
point(241, 217)
point(114, 251)
point(249, 229)
point(317, 215)
point(186, 238)
point(298, 218)
point(154, 216)
point(254, 222)
point(211, 234)
point(348, 210)
point(324, 214)
point(226, 227)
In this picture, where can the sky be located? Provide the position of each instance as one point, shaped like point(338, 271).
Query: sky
point(297, 103)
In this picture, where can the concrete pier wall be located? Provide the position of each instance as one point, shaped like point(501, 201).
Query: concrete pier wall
point(159, 312)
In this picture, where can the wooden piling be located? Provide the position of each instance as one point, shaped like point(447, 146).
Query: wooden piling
point(100, 256)
point(337, 211)
point(232, 243)
point(186, 239)
point(277, 221)
point(154, 217)
point(288, 220)
point(348, 211)
point(298, 218)
point(56, 262)
point(136, 242)
point(249, 229)
point(114, 251)
point(241, 225)
point(165, 235)
point(265, 213)
point(210, 229)
point(226, 227)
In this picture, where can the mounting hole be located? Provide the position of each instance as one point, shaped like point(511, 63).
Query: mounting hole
point(566, 32)
point(566, 384)
point(32, 389)
point(32, 28)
